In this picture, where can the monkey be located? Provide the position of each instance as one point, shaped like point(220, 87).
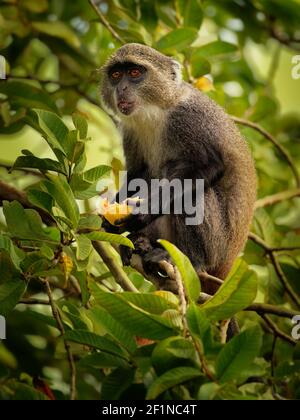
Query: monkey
point(171, 130)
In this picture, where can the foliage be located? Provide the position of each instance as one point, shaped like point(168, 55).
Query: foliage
point(61, 300)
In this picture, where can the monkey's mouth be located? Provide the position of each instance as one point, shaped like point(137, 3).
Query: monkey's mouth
point(125, 107)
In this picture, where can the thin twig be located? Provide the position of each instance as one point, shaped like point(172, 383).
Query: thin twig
point(265, 308)
point(277, 331)
point(282, 277)
point(105, 22)
point(277, 198)
point(60, 326)
point(272, 139)
point(259, 308)
point(208, 277)
point(33, 301)
point(115, 269)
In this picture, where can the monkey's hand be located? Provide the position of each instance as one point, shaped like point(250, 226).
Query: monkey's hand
point(109, 228)
point(134, 222)
point(142, 246)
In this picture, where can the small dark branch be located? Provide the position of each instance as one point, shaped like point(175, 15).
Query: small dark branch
point(277, 331)
point(33, 301)
point(282, 277)
point(272, 139)
point(9, 193)
point(277, 198)
point(207, 277)
point(203, 361)
point(60, 326)
point(105, 22)
point(284, 39)
point(115, 269)
point(259, 241)
point(273, 361)
point(259, 308)
point(265, 308)
point(224, 330)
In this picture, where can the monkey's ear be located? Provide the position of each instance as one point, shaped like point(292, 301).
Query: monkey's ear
point(177, 70)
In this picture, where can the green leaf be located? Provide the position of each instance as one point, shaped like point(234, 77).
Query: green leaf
point(60, 190)
point(238, 291)
point(110, 237)
point(91, 221)
point(59, 30)
point(188, 274)
point(116, 383)
point(198, 323)
point(215, 48)
point(94, 174)
point(10, 294)
point(35, 6)
point(178, 40)
point(170, 379)
point(150, 302)
point(95, 341)
point(102, 360)
point(81, 276)
point(18, 391)
point(25, 224)
point(54, 128)
point(237, 356)
point(37, 163)
point(192, 13)
point(27, 95)
point(71, 145)
point(142, 323)
point(84, 247)
point(40, 199)
point(199, 66)
point(80, 124)
point(14, 253)
point(113, 328)
point(169, 353)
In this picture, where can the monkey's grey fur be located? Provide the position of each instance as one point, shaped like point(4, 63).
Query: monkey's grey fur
point(175, 131)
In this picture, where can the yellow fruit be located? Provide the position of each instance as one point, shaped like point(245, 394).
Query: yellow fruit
point(115, 211)
point(204, 84)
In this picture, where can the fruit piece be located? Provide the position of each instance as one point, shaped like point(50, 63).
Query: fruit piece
point(115, 211)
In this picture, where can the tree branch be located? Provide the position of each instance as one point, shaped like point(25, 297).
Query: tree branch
point(272, 139)
point(60, 326)
point(277, 198)
point(115, 269)
point(282, 277)
point(105, 22)
point(277, 331)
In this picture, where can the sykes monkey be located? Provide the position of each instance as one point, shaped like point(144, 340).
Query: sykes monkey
point(171, 130)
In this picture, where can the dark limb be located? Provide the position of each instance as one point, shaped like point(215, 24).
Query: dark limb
point(172, 189)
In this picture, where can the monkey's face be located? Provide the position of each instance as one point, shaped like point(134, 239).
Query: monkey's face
point(125, 80)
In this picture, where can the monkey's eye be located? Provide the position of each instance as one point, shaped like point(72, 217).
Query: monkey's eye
point(115, 75)
point(134, 73)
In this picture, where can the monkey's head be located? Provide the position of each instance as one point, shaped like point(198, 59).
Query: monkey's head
point(137, 76)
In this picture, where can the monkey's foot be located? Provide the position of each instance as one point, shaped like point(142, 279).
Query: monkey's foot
point(152, 259)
